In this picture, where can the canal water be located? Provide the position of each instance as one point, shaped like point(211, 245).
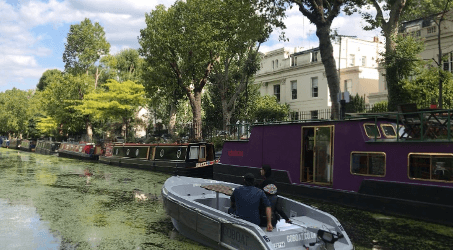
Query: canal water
point(48, 202)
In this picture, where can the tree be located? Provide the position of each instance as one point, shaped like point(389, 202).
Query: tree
point(212, 105)
point(59, 99)
point(118, 101)
point(123, 66)
point(389, 26)
point(322, 14)
point(86, 43)
point(47, 77)
point(438, 12)
point(232, 76)
point(402, 63)
point(14, 106)
point(266, 108)
point(425, 88)
point(188, 38)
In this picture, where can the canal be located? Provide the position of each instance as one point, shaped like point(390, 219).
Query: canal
point(48, 202)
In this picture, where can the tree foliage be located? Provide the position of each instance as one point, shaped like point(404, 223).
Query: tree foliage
point(188, 39)
point(85, 44)
point(402, 63)
point(424, 88)
point(47, 77)
point(61, 96)
point(266, 108)
point(116, 101)
point(14, 113)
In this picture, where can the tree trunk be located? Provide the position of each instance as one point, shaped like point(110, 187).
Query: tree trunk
point(89, 129)
point(172, 123)
point(195, 103)
point(391, 75)
point(227, 113)
point(124, 128)
point(326, 49)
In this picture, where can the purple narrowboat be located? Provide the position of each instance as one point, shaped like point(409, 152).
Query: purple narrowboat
point(394, 163)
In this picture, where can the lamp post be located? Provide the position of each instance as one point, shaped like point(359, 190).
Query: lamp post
point(342, 101)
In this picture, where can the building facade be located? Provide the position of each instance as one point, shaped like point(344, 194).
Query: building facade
point(297, 76)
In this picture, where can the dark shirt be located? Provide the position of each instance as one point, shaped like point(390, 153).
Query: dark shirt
point(248, 200)
point(265, 182)
point(273, 199)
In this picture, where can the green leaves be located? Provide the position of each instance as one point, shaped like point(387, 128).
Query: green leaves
point(266, 108)
point(118, 100)
point(86, 43)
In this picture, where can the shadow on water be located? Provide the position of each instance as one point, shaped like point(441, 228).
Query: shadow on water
point(377, 231)
point(89, 205)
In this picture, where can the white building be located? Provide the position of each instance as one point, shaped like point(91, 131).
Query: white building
point(297, 76)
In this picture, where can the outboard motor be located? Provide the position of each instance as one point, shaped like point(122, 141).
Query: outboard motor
point(325, 240)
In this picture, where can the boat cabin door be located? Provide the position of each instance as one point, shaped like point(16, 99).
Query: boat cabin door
point(317, 158)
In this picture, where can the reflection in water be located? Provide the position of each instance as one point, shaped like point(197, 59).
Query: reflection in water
point(69, 204)
point(21, 228)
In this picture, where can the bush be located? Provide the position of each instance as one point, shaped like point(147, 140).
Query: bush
point(380, 107)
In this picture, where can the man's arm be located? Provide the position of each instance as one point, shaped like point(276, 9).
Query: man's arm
point(269, 219)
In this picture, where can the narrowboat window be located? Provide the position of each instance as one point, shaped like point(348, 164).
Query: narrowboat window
point(437, 167)
point(388, 130)
point(203, 153)
point(193, 154)
point(368, 163)
point(372, 130)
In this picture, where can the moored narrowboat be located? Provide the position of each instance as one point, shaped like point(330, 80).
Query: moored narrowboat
point(191, 159)
point(5, 143)
point(27, 145)
point(14, 143)
point(81, 150)
point(47, 147)
point(386, 163)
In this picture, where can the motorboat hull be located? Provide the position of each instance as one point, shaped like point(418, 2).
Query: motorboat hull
point(201, 215)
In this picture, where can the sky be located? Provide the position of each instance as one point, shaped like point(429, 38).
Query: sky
point(33, 32)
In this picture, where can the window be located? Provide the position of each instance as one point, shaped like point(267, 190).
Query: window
point(448, 62)
point(294, 89)
point(294, 116)
point(431, 166)
point(348, 86)
point(276, 64)
point(431, 29)
point(273, 65)
point(388, 130)
point(314, 56)
point(194, 152)
point(295, 61)
point(202, 153)
point(314, 87)
point(368, 163)
point(364, 61)
point(277, 92)
point(314, 114)
point(351, 60)
point(372, 130)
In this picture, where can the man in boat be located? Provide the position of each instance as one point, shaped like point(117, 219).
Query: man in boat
point(246, 201)
point(270, 189)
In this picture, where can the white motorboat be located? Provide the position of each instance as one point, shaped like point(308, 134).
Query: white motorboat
point(198, 209)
